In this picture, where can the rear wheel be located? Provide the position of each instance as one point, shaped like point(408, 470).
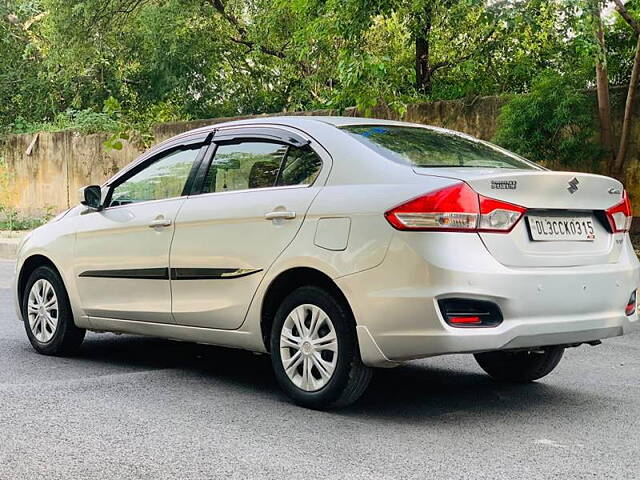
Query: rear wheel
point(47, 314)
point(520, 366)
point(314, 350)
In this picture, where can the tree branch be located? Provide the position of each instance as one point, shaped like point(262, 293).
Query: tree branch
point(463, 58)
point(241, 39)
point(229, 17)
point(111, 9)
point(262, 48)
point(624, 13)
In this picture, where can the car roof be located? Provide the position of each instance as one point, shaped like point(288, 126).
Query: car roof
point(301, 121)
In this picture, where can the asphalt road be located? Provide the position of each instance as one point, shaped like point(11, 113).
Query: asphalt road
point(130, 407)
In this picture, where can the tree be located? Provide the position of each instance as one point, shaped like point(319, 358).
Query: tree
point(553, 123)
point(632, 90)
point(615, 157)
point(424, 21)
point(602, 83)
point(178, 59)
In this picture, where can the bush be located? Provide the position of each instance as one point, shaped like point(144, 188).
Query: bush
point(11, 221)
point(84, 121)
point(553, 123)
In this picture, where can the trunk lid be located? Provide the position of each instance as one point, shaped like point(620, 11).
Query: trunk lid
point(561, 196)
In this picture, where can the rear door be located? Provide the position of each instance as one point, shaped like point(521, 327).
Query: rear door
point(252, 199)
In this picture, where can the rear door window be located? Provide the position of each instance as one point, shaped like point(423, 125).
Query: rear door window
point(255, 164)
point(301, 167)
point(241, 166)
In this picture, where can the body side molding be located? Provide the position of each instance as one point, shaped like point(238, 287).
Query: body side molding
point(173, 273)
point(131, 273)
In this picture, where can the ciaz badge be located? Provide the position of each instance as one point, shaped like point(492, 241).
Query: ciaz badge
point(504, 184)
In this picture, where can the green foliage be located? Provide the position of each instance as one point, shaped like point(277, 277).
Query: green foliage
point(12, 221)
point(121, 66)
point(84, 121)
point(552, 123)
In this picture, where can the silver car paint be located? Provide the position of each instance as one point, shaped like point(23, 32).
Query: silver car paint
point(391, 279)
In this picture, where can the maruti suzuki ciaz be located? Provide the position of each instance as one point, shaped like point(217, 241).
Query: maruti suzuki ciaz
point(338, 245)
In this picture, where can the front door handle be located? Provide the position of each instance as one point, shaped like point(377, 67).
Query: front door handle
point(280, 214)
point(160, 222)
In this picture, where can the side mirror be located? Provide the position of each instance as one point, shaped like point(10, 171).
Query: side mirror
point(91, 196)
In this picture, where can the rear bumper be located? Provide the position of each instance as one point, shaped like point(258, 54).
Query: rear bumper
point(395, 304)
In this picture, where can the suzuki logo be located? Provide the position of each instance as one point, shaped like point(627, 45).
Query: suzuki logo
point(573, 185)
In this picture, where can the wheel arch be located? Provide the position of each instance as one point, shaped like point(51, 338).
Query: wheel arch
point(285, 283)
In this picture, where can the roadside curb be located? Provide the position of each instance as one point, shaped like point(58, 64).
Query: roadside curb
point(9, 242)
point(8, 248)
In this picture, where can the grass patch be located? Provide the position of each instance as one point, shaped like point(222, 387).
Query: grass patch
point(22, 224)
point(12, 221)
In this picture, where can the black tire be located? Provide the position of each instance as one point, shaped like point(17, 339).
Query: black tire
point(67, 336)
point(520, 366)
point(350, 377)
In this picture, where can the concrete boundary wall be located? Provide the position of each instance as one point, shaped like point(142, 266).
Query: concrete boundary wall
point(46, 178)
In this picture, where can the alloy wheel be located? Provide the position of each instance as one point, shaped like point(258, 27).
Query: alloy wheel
point(308, 347)
point(42, 310)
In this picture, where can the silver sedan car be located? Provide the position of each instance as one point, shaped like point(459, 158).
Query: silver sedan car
point(337, 245)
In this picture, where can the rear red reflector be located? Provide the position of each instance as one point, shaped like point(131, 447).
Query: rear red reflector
point(457, 208)
point(470, 313)
point(620, 215)
point(465, 320)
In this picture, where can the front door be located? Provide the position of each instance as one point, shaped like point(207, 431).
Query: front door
point(122, 251)
point(254, 199)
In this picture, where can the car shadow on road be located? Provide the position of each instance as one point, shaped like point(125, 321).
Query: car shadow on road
point(418, 390)
point(409, 392)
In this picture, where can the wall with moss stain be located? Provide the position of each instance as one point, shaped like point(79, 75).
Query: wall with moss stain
point(62, 162)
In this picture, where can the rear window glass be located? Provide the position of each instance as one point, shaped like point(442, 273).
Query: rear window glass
point(421, 147)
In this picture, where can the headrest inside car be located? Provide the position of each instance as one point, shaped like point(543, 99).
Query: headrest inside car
point(263, 174)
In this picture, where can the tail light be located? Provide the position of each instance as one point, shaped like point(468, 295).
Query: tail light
point(630, 309)
point(457, 208)
point(620, 215)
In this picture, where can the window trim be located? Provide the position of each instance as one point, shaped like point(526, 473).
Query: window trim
point(187, 139)
point(147, 162)
point(273, 134)
point(248, 190)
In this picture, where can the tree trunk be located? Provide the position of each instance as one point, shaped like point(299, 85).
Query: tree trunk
point(602, 88)
point(423, 64)
point(618, 166)
point(628, 112)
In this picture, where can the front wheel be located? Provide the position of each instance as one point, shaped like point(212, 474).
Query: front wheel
point(47, 314)
point(314, 350)
point(520, 366)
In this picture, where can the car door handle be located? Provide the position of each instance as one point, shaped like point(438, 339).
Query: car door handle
point(160, 222)
point(277, 214)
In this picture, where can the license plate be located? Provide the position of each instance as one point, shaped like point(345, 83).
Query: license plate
point(575, 229)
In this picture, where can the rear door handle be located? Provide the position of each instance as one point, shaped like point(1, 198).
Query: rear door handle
point(160, 222)
point(277, 214)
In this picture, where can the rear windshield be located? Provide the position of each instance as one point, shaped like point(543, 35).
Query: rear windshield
point(421, 147)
